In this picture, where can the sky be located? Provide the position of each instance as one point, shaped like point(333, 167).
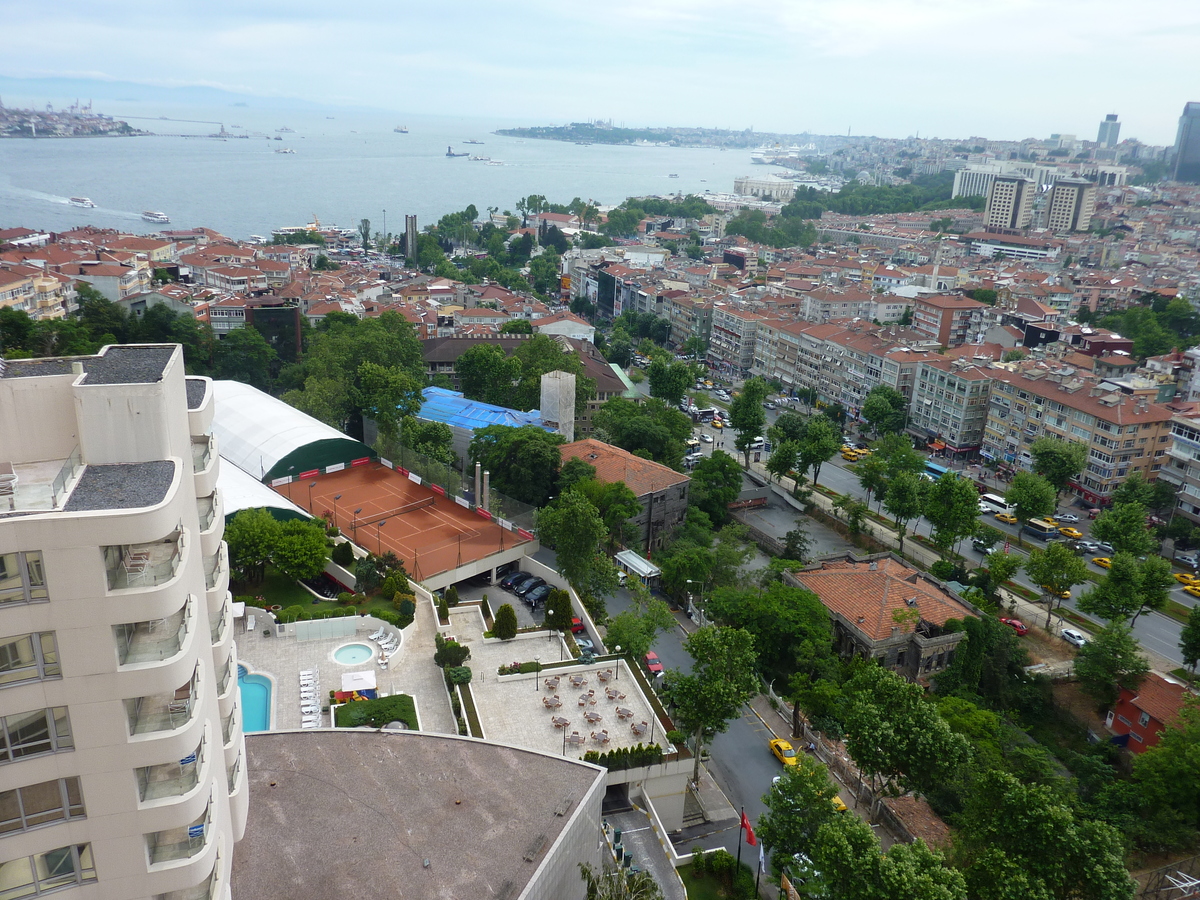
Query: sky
point(1002, 69)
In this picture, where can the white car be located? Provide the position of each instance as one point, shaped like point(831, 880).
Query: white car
point(706, 438)
point(1068, 518)
point(1073, 637)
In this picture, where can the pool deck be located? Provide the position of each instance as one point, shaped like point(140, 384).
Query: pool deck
point(411, 671)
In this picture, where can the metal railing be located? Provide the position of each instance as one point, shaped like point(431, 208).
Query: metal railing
point(163, 712)
point(180, 843)
point(223, 682)
point(207, 509)
point(143, 565)
point(153, 640)
point(232, 773)
point(212, 568)
point(219, 625)
point(173, 779)
point(202, 455)
point(70, 468)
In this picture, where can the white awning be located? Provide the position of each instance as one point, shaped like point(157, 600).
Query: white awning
point(637, 565)
point(358, 681)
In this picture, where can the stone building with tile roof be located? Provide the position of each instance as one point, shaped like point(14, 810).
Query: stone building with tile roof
point(885, 609)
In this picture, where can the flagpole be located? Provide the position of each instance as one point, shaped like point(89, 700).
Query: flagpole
point(741, 828)
point(762, 862)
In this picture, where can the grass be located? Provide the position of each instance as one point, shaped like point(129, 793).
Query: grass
point(1177, 611)
point(1185, 676)
point(472, 715)
point(279, 589)
point(701, 887)
point(377, 713)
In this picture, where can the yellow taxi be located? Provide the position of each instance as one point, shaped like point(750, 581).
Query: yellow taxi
point(1073, 533)
point(838, 803)
point(1193, 589)
point(783, 751)
point(717, 423)
point(1186, 578)
point(1062, 595)
point(1007, 518)
point(1102, 561)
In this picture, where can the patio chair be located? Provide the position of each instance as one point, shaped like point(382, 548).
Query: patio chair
point(383, 663)
point(307, 673)
point(377, 635)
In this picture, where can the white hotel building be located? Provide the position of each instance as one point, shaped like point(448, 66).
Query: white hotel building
point(122, 769)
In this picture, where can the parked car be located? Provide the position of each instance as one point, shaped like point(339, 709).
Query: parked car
point(1192, 590)
point(585, 645)
point(1086, 547)
point(528, 585)
point(538, 595)
point(513, 578)
point(1103, 562)
point(783, 750)
point(1073, 637)
point(653, 665)
point(1105, 546)
point(1062, 595)
point(577, 626)
point(1016, 625)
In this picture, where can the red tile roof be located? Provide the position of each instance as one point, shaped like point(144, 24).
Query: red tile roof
point(614, 464)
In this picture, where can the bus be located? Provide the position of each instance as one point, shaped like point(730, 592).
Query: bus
point(935, 471)
point(993, 503)
point(1041, 529)
point(693, 446)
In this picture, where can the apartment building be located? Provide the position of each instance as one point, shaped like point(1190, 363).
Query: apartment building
point(1182, 465)
point(826, 304)
point(1071, 204)
point(1124, 433)
point(123, 755)
point(949, 320)
point(731, 341)
point(950, 403)
point(1010, 203)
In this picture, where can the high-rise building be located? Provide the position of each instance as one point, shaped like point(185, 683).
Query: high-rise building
point(1187, 146)
point(410, 238)
point(1010, 202)
point(122, 755)
point(1071, 204)
point(1110, 131)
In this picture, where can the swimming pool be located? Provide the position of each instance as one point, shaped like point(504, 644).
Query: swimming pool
point(256, 701)
point(353, 654)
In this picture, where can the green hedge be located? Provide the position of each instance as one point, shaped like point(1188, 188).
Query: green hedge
point(377, 713)
point(626, 757)
point(302, 614)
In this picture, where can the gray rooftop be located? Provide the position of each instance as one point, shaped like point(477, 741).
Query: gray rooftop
point(355, 814)
point(118, 364)
point(124, 486)
point(197, 388)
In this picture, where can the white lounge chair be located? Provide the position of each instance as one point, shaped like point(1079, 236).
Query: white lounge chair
point(377, 635)
point(307, 673)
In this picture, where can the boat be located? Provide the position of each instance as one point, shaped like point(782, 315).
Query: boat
point(285, 150)
point(401, 129)
point(472, 142)
point(450, 152)
point(83, 202)
point(480, 158)
point(495, 162)
point(160, 217)
point(672, 175)
point(277, 138)
point(285, 130)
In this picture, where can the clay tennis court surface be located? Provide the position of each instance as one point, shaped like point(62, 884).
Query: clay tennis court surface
point(429, 532)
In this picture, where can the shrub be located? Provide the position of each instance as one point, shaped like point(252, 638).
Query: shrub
point(483, 605)
point(942, 570)
point(505, 626)
point(452, 596)
point(366, 574)
point(393, 584)
point(458, 675)
point(678, 738)
point(290, 614)
point(443, 610)
point(406, 606)
point(449, 654)
point(699, 860)
point(377, 713)
point(345, 597)
point(343, 554)
point(626, 757)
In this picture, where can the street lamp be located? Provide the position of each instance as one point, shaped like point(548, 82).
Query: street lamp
point(336, 498)
point(354, 524)
point(549, 625)
point(378, 539)
point(618, 649)
point(311, 485)
point(538, 675)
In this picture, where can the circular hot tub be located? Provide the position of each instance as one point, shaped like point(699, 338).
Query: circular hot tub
point(353, 654)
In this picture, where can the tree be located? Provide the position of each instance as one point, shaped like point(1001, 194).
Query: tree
point(1189, 640)
point(1056, 569)
point(450, 654)
point(1167, 776)
point(872, 476)
point(620, 884)
point(788, 427)
point(951, 504)
point(524, 461)
point(244, 355)
point(903, 502)
point(896, 737)
point(301, 549)
point(821, 440)
point(1001, 567)
point(798, 804)
point(574, 471)
point(721, 680)
point(669, 380)
point(431, 439)
point(1154, 587)
point(388, 394)
point(364, 230)
point(1058, 461)
point(1124, 526)
point(1110, 660)
point(515, 326)
point(251, 536)
point(1022, 841)
point(572, 525)
point(886, 409)
point(783, 459)
point(504, 626)
point(747, 416)
point(1117, 595)
point(636, 629)
point(716, 482)
point(1032, 496)
point(617, 506)
point(487, 373)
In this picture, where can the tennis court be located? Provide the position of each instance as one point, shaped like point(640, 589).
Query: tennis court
point(380, 510)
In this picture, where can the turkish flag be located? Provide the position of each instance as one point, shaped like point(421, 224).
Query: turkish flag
point(750, 838)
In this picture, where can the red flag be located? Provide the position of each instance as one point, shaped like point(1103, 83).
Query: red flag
point(750, 838)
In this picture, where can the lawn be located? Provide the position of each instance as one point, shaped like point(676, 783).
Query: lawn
point(281, 590)
point(702, 887)
point(377, 713)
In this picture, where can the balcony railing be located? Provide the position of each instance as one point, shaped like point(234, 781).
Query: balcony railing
point(213, 567)
point(206, 507)
point(201, 453)
point(226, 676)
point(163, 712)
point(227, 724)
point(173, 779)
point(218, 624)
point(143, 565)
point(179, 843)
point(153, 640)
point(233, 772)
point(39, 486)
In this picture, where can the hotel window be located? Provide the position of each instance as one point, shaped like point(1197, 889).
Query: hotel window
point(40, 804)
point(32, 876)
point(34, 733)
point(28, 657)
point(22, 577)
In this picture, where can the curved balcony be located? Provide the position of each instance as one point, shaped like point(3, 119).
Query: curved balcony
point(201, 404)
point(172, 846)
point(176, 780)
point(164, 712)
point(155, 641)
point(220, 625)
point(216, 577)
point(147, 565)
point(205, 464)
point(211, 512)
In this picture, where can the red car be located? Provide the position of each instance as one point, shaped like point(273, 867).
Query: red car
point(653, 665)
point(577, 626)
point(1016, 625)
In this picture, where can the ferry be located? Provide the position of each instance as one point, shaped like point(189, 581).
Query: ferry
point(159, 217)
point(472, 142)
point(401, 129)
point(480, 158)
point(285, 130)
point(83, 202)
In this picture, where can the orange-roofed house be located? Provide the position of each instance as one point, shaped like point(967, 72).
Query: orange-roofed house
point(662, 492)
point(884, 609)
point(1142, 714)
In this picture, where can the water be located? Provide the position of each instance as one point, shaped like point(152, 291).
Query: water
point(352, 654)
point(346, 168)
point(255, 691)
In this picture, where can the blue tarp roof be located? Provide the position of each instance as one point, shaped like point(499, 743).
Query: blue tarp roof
point(451, 407)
